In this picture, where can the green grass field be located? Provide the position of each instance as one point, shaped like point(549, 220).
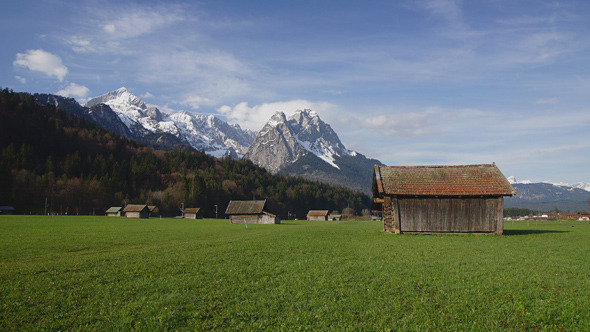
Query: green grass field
point(101, 273)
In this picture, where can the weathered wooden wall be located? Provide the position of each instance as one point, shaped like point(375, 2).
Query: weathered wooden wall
point(443, 215)
point(244, 218)
point(266, 219)
point(135, 214)
point(451, 215)
point(253, 219)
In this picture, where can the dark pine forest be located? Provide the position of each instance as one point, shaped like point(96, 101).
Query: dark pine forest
point(77, 167)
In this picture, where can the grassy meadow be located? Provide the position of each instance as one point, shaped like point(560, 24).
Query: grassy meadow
point(100, 273)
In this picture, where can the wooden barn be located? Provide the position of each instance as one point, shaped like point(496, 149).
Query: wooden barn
point(250, 212)
point(317, 215)
point(192, 213)
point(136, 211)
point(114, 211)
point(441, 199)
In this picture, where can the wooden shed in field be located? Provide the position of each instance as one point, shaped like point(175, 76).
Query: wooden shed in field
point(441, 199)
point(192, 213)
point(114, 211)
point(317, 215)
point(250, 212)
point(136, 211)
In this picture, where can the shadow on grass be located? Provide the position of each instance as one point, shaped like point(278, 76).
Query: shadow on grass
point(530, 231)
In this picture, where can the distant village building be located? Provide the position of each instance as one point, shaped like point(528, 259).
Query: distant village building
point(335, 217)
point(6, 210)
point(114, 211)
point(136, 211)
point(441, 199)
point(250, 212)
point(154, 211)
point(192, 213)
point(317, 215)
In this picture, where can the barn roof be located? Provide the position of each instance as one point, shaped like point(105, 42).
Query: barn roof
point(318, 213)
point(191, 210)
point(134, 208)
point(461, 180)
point(114, 209)
point(245, 207)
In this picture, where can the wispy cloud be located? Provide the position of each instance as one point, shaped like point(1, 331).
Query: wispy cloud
point(408, 124)
point(551, 101)
point(42, 61)
point(112, 29)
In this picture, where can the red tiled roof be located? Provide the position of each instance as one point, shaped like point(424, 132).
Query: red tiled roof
point(191, 210)
point(318, 213)
point(462, 180)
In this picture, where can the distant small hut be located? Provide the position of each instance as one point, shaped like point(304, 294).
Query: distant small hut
point(317, 215)
point(192, 213)
point(6, 210)
point(250, 212)
point(441, 199)
point(114, 211)
point(335, 217)
point(154, 211)
point(136, 211)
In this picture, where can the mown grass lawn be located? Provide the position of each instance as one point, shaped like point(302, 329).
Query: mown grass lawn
point(102, 273)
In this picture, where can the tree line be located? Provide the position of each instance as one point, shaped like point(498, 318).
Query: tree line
point(56, 162)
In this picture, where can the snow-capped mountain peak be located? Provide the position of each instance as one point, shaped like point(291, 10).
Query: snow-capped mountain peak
point(200, 132)
point(293, 137)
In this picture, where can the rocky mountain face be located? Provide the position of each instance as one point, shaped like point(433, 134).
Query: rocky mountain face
point(546, 196)
point(304, 145)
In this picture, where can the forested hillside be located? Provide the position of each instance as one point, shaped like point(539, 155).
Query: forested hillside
point(47, 154)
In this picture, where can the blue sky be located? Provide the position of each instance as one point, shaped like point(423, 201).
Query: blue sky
point(406, 82)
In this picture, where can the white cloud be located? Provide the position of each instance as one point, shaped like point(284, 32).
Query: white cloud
point(42, 61)
point(147, 95)
point(195, 102)
point(551, 101)
point(401, 125)
point(110, 28)
point(80, 45)
point(74, 90)
point(21, 79)
point(255, 117)
point(140, 20)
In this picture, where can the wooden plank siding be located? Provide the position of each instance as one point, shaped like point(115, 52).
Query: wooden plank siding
point(244, 218)
point(446, 215)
